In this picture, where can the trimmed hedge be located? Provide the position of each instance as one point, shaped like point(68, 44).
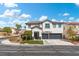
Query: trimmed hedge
point(7, 29)
point(29, 32)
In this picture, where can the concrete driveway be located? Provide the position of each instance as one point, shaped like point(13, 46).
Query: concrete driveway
point(56, 42)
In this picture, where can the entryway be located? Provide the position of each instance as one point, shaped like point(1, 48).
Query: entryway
point(36, 35)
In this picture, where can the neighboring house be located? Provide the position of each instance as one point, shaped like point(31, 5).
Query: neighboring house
point(2, 33)
point(13, 30)
point(74, 25)
point(17, 32)
point(46, 29)
point(22, 31)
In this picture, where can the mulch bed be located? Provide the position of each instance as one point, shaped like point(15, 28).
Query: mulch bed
point(74, 42)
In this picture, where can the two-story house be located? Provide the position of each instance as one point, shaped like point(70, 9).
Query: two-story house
point(74, 25)
point(46, 29)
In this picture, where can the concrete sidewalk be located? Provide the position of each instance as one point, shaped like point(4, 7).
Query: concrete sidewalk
point(45, 41)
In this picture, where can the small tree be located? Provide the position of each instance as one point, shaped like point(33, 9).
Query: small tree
point(71, 33)
point(27, 35)
point(18, 26)
point(7, 29)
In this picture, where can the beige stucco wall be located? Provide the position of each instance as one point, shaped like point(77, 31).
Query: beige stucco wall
point(3, 33)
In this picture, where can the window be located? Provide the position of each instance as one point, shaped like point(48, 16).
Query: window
point(29, 26)
point(47, 25)
point(54, 25)
point(59, 25)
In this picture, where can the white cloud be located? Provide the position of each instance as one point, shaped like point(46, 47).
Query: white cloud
point(69, 21)
point(8, 13)
point(16, 10)
point(1, 3)
point(3, 24)
point(13, 22)
point(19, 21)
point(62, 21)
point(77, 4)
point(66, 14)
point(54, 19)
point(25, 16)
point(22, 22)
point(11, 13)
point(2, 16)
point(57, 20)
point(10, 5)
point(15, 13)
point(12, 19)
point(77, 20)
point(71, 18)
point(43, 18)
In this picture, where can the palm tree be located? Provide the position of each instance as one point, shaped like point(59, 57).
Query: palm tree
point(18, 26)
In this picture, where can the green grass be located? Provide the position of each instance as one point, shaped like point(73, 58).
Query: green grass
point(33, 42)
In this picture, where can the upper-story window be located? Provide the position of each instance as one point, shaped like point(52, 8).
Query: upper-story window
point(47, 25)
point(54, 25)
point(29, 26)
point(59, 25)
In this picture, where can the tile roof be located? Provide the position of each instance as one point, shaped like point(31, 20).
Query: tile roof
point(39, 22)
point(72, 23)
point(54, 22)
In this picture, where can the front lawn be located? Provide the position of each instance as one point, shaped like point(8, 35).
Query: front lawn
point(32, 41)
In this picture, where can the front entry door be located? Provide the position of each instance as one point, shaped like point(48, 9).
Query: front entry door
point(36, 35)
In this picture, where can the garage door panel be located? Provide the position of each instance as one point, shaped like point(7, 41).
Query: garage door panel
point(55, 36)
point(44, 36)
point(52, 36)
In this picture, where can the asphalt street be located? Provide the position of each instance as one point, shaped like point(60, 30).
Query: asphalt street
point(52, 50)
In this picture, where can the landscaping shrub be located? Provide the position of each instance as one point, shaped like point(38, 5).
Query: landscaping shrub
point(27, 35)
point(28, 32)
point(71, 33)
point(15, 39)
point(77, 38)
point(23, 36)
point(8, 30)
point(74, 38)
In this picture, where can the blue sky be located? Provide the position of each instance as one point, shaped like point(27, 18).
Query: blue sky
point(13, 13)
